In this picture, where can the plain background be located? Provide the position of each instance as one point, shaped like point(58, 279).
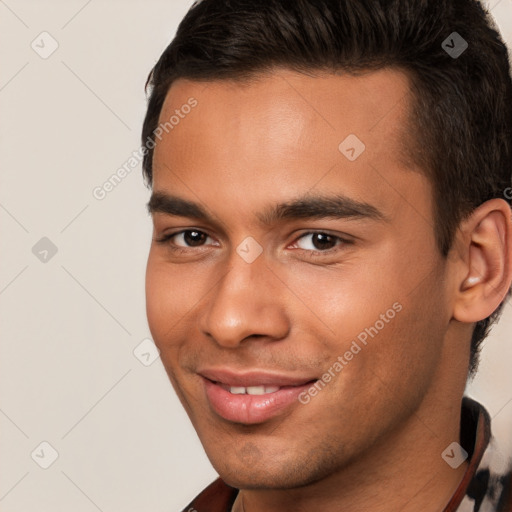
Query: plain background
point(70, 324)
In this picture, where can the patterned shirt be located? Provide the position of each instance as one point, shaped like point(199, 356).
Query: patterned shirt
point(485, 487)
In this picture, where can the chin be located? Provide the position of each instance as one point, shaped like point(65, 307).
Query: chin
point(261, 479)
point(243, 472)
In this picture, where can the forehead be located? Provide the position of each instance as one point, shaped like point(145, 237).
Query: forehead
point(372, 101)
point(283, 133)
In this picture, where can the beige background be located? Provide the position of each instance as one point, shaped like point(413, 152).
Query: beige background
point(70, 325)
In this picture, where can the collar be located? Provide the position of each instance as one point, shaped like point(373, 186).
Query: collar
point(487, 483)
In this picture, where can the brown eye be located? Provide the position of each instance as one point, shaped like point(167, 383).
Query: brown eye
point(193, 238)
point(319, 241)
point(184, 239)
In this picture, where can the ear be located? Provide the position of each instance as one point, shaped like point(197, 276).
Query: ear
point(484, 262)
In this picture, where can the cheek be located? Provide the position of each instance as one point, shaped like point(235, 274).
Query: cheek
point(166, 310)
point(157, 298)
point(166, 304)
point(391, 308)
point(405, 355)
point(341, 301)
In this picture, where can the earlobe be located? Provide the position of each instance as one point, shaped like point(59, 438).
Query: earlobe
point(488, 269)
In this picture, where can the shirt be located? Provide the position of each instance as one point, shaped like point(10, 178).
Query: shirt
point(485, 487)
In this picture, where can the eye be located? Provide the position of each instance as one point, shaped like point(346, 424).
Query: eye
point(319, 242)
point(187, 238)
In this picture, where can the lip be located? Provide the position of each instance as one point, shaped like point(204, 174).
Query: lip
point(253, 378)
point(252, 409)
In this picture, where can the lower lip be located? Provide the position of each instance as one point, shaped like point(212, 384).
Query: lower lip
point(251, 409)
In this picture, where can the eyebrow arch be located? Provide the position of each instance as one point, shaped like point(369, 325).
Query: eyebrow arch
point(309, 206)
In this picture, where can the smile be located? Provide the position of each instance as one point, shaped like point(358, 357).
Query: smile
point(254, 397)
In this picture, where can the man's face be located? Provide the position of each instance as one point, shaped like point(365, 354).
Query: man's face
point(226, 317)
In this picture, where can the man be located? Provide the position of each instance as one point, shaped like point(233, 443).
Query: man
point(332, 242)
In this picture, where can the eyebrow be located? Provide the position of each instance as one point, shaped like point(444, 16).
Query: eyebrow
point(336, 206)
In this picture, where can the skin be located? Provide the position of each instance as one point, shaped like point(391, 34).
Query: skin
point(372, 438)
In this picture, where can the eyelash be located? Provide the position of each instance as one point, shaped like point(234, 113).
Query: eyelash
point(164, 240)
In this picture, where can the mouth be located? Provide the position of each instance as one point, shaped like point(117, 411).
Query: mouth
point(249, 390)
point(253, 397)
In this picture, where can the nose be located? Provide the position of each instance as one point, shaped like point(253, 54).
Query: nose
point(246, 302)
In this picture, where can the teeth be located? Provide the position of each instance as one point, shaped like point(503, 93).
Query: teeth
point(256, 390)
point(252, 390)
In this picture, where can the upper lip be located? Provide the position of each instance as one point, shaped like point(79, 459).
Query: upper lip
point(230, 377)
